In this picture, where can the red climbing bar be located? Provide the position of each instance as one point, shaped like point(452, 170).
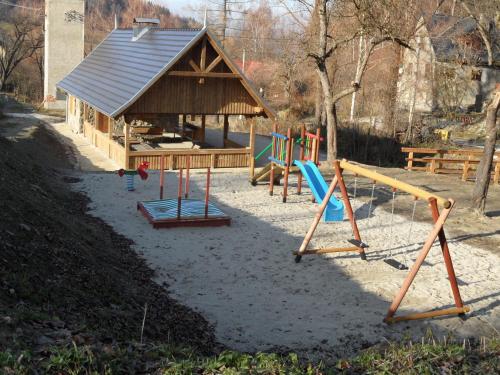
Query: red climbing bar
point(207, 193)
point(179, 194)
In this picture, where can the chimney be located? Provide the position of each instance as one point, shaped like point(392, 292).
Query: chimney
point(142, 26)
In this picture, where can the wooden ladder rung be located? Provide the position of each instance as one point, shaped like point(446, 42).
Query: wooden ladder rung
point(428, 314)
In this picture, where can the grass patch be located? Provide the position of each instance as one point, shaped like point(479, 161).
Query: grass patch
point(429, 357)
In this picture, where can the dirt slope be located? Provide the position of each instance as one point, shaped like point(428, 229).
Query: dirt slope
point(66, 276)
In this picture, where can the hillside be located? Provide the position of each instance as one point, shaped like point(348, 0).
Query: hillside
point(65, 276)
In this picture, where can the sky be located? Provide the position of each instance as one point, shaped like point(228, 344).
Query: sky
point(181, 7)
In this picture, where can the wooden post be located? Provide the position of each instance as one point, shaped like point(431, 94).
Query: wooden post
point(207, 193)
point(318, 143)
point(438, 226)
point(287, 162)
point(162, 174)
point(410, 161)
point(301, 155)
point(203, 125)
point(465, 173)
point(188, 165)
point(317, 219)
point(179, 195)
point(496, 176)
point(110, 128)
point(446, 255)
point(273, 154)
point(251, 146)
point(126, 143)
point(184, 120)
point(348, 207)
point(432, 167)
point(226, 130)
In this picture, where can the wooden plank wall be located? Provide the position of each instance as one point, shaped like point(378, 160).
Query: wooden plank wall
point(112, 149)
point(186, 95)
point(175, 159)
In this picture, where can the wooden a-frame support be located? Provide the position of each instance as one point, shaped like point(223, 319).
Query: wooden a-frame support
point(437, 232)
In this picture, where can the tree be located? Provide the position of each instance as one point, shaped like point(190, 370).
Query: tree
point(483, 173)
point(19, 40)
point(377, 23)
point(477, 11)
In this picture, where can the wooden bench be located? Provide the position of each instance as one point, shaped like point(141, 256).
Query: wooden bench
point(466, 159)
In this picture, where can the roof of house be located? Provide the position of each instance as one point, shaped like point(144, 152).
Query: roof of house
point(457, 39)
point(119, 70)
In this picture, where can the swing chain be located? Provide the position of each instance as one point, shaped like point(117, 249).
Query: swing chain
point(412, 219)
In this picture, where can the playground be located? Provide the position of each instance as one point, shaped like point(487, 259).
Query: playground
point(244, 279)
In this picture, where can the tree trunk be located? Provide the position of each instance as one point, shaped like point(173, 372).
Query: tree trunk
point(331, 124)
point(483, 173)
point(318, 104)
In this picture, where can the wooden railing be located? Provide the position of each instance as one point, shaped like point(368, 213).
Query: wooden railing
point(174, 158)
point(447, 161)
point(199, 158)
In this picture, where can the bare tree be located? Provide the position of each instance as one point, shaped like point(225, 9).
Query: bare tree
point(478, 10)
point(377, 24)
point(483, 173)
point(19, 40)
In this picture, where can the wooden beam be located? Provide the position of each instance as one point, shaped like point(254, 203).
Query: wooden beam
point(213, 64)
point(429, 314)
point(203, 58)
point(327, 250)
point(251, 147)
point(203, 126)
point(226, 127)
point(193, 65)
point(431, 238)
point(410, 189)
point(179, 73)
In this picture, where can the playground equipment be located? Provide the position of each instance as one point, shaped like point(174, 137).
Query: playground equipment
point(334, 210)
point(437, 231)
point(182, 212)
point(130, 174)
point(281, 156)
point(280, 164)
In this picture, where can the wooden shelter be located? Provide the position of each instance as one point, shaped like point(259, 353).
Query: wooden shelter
point(145, 93)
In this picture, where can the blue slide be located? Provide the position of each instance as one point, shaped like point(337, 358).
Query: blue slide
point(335, 208)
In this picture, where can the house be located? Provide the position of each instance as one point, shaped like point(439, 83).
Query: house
point(134, 94)
point(447, 70)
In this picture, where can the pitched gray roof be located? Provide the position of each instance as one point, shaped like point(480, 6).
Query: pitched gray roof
point(446, 32)
point(119, 70)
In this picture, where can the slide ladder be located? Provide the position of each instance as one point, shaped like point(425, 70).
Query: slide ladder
point(335, 208)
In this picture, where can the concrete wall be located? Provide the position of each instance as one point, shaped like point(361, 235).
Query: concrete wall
point(74, 114)
point(64, 46)
point(416, 75)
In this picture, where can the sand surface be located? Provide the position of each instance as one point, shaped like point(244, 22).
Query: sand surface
point(244, 279)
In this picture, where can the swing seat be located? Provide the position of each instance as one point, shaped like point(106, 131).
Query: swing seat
point(395, 264)
point(357, 243)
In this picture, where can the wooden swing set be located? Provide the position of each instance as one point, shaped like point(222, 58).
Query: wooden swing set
point(439, 219)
